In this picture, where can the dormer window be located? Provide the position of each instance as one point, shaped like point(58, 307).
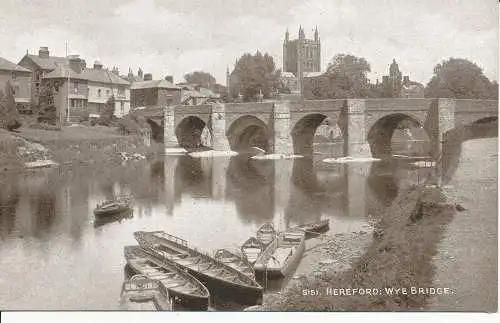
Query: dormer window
point(14, 76)
point(99, 92)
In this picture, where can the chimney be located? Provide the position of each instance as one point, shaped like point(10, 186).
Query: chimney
point(75, 63)
point(97, 65)
point(84, 64)
point(139, 73)
point(169, 78)
point(148, 77)
point(43, 52)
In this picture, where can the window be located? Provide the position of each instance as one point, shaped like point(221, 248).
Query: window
point(15, 89)
point(99, 92)
point(14, 76)
point(122, 107)
point(107, 92)
point(121, 90)
point(75, 85)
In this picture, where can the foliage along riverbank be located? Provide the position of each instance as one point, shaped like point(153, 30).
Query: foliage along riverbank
point(71, 146)
point(400, 256)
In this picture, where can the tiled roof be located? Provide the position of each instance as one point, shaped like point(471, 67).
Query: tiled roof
point(154, 84)
point(201, 93)
point(88, 74)
point(49, 63)
point(6, 65)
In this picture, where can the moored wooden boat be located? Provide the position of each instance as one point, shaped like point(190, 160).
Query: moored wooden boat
point(143, 293)
point(222, 280)
point(236, 261)
point(113, 207)
point(282, 255)
point(251, 249)
point(118, 217)
point(266, 233)
point(186, 291)
point(314, 229)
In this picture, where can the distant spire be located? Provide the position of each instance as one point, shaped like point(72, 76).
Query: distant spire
point(301, 32)
point(287, 35)
point(316, 35)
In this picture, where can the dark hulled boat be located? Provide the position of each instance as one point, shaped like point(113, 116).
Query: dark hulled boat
point(222, 280)
point(314, 229)
point(141, 293)
point(113, 207)
point(186, 291)
point(282, 255)
point(236, 261)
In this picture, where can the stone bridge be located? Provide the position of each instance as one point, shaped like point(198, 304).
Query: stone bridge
point(287, 127)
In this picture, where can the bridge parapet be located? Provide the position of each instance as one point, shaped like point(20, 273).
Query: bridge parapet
point(249, 108)
point(398, 105)
point(468, 106)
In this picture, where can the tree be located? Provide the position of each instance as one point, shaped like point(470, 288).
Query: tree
point(108, 111)
point(8, 111)
point(346, 77)
point(461, 79)
point(201, 78)
point(47, 111)
point(254, 74)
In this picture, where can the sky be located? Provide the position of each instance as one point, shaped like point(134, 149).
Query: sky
point(175, 37)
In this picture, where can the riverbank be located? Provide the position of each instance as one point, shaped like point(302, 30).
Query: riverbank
point(71, 146)
point(398, 254)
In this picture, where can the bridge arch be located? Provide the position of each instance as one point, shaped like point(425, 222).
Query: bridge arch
point(189, 132)
point(381, 132)
point(156, 130)
point(304, 130)
point(248, 131)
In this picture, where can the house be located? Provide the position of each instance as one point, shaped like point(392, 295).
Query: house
point(40, 65)
point(154, 93)
point(192, 94)
point(86, 90)
point(20, 79)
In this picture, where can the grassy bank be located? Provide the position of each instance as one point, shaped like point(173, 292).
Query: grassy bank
point(9, 158)
point(87, 145)
point(405, 240)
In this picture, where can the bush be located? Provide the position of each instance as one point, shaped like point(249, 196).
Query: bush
point(48, 114)
point(9, 118)
point(45, 126)
point(108, 112)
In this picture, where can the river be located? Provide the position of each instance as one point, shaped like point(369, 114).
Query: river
point(54, 256)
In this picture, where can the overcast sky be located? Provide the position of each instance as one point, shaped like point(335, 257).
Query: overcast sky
point(174, 37)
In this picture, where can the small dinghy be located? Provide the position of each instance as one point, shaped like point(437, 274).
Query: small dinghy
point(266, 233)
point(236, 261)
point(141, 293)
point(113, 207)
point(282, 255)
point(314, 229)
point(251, 249)
point(186, 291)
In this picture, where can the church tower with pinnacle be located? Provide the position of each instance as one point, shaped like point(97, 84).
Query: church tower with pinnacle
point(302, 55)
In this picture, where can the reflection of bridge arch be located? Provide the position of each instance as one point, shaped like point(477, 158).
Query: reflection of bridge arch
point(453, 139)
point(380, 133)
point(248, 131)
point(189, 131)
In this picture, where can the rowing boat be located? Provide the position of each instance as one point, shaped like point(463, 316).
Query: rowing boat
point(186, 291)
point(113, 207)
point(266, 233)
point(143, 293)
point(283, 254)
point(222, 280)
point(236, 261)
point(251, 249)
point(314, 229)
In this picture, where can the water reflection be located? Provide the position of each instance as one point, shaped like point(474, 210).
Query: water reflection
point(211, 202)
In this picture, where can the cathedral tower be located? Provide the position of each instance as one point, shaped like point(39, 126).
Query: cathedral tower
point(302, 55)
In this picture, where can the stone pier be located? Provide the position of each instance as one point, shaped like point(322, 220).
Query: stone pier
point(282, 129)
point(169, 137)
point(356, 188)
point(218, 118)
point(356, 143)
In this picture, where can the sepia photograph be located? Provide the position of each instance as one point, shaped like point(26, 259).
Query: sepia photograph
point(249, 156)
